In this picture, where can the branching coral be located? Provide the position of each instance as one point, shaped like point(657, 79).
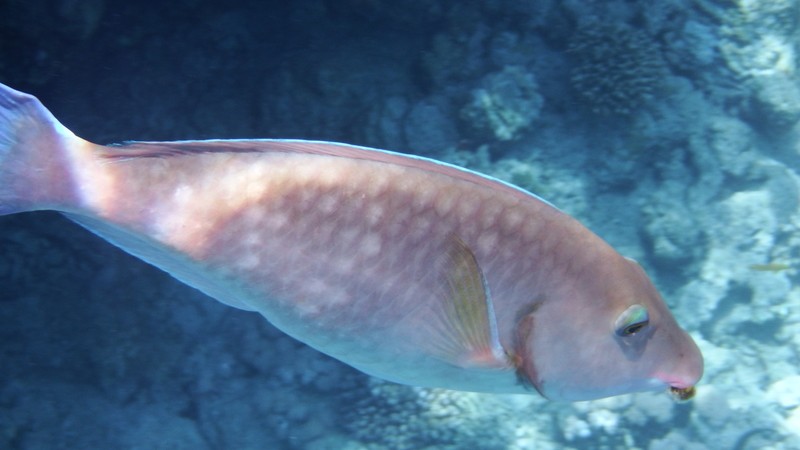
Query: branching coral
point(402, 417)
point(616, 68)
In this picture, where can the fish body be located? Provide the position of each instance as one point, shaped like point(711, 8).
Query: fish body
point(405, 268)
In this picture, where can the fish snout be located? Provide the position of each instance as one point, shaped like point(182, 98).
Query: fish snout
point(682, 380)
point(680, 387)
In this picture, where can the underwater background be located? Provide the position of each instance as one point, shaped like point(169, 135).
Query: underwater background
point(671, 128)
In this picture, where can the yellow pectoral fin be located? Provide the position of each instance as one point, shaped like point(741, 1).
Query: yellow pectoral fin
point(466, 328)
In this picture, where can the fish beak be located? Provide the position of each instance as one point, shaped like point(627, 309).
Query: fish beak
point(682, 378)
point(681, 388)
point(682, 394)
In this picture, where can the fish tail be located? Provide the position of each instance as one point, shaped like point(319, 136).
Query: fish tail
point(34, 153)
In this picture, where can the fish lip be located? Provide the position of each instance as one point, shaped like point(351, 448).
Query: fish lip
point(676, 381)
point(680, 385)
point(680, 389)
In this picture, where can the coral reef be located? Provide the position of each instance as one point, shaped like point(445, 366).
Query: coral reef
point(505, 105)
point(758, 44)
point(700, 186)
point(386, 415)
point(776, 104)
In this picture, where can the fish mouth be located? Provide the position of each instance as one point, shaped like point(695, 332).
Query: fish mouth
point(682, 394)
point(680, 389)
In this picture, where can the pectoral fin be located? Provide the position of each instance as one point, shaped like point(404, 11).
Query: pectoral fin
point(465, 331)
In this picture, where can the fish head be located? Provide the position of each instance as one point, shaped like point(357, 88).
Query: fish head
point(607, 332)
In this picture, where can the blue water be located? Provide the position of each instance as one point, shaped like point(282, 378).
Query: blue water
point(669, 128)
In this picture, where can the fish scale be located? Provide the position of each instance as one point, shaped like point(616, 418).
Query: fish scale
point(406, 268)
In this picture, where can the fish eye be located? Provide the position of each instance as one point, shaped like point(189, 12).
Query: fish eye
point(632, 321)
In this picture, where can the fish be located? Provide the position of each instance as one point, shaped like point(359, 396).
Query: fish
point(405, 268)
point(770, 267)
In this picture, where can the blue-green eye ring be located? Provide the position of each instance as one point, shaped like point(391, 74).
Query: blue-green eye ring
point(632, 321)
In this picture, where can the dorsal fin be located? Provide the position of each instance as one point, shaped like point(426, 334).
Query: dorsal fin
point(143, 149)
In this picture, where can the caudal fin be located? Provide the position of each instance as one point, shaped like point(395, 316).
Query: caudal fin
point(35, 150)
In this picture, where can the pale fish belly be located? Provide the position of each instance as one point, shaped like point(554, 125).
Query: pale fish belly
point(341, 253)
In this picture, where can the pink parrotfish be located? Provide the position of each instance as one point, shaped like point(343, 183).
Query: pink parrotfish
point(408, 269)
